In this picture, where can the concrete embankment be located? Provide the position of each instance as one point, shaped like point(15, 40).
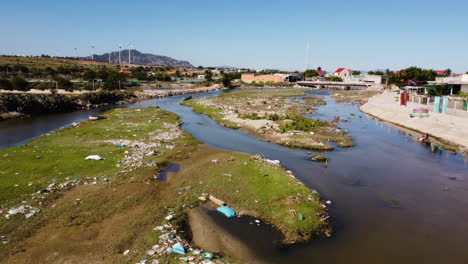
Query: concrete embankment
point(447, 127)
point(161, 93)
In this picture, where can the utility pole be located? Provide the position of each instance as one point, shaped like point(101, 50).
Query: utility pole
point(129, 50)
point(307, 54)
point(120, 53)
point(92, 53)
point(110, 56)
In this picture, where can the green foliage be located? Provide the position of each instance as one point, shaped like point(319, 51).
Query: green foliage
point(20, 84)
point(5, 85)
point(89, 75)
point(301, 123)
point(36, 104)
point(274, 117)
point(63, 83)
point(310, 73)
point(208, 76)
point(334, 79)
point(252, 116)
point(56, 103)
point(376, 73)
point(102, 97)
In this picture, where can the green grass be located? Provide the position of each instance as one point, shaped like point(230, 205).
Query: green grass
point(212, 112)
point(253, 187)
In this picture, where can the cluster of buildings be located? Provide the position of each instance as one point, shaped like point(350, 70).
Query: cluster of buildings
point(345, 74)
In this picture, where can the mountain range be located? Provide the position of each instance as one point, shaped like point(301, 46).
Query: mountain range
point(140, 58)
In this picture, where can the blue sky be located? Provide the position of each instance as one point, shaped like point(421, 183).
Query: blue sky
point(361, 34)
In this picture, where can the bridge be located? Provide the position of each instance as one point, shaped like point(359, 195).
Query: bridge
point(334, 85)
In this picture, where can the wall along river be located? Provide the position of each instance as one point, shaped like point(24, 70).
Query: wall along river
point(394, 200)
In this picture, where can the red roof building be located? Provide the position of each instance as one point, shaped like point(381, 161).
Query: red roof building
point(442, 72)
point(343, 73)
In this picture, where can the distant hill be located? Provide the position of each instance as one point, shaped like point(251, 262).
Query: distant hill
point(140, 58)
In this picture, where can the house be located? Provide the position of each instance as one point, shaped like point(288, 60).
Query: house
point(125, 70)
point(369, 78)
point(442, 73)
point(267, 78)
point(458, 83)
point(343, 73)
point(321, 73)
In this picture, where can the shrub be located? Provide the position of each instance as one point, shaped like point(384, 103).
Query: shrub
point(102, 97)
point(20, 84)
point(5, 84)
point(302, 124)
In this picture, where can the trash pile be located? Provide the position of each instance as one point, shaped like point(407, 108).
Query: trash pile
point(171, 243)
point(29, 211)
point(26, 210)
point(135, 156)
point(173, 132)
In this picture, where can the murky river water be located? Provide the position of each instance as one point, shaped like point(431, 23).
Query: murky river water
point(394, 200)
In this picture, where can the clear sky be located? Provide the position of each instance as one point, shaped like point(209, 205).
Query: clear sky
point(357, 34)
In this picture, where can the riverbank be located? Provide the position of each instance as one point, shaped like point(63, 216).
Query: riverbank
point(95, 210)
point(17, 105)
point(447, 127)
point(271, 116)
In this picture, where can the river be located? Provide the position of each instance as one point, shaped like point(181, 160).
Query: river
point(394, 200)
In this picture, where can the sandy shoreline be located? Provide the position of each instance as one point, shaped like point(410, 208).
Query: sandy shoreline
point(447, 127)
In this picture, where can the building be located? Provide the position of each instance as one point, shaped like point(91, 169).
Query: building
point(369, 78)
point(458, 83)
point(321, 73)
point(443, 73)
point(270, 78)
point(343, 73)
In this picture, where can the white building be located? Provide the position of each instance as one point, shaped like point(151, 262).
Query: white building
point(461, 80)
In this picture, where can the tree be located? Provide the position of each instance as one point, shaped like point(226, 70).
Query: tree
point(5, 85)
point(356, 72)
point(89, 75)
point(334, 79)
point(319, 68)
point(310, 73)
point(20, 84)
point(208, 76)
point(64, 83)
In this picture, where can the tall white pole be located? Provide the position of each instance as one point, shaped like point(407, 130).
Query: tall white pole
point(110, 56)
point(120, 53)
point(307, 54)
point(75, 53)
point(92, 52)
point(129, 49)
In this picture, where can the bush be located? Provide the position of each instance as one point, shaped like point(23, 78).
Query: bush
point(20, 84)
point(302, 124)
point(33, 104)
point(5, 84)
point(253, 116)
point(102, 97)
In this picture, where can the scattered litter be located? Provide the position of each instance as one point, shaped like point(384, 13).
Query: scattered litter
point(126, 251)
point(215, 161)
point(208, 255)
point(94, 157)
point(169, 217)
point(216, 200)
point(228, 212)
point(178, 248)
point(26, 210)
point(328, 202)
